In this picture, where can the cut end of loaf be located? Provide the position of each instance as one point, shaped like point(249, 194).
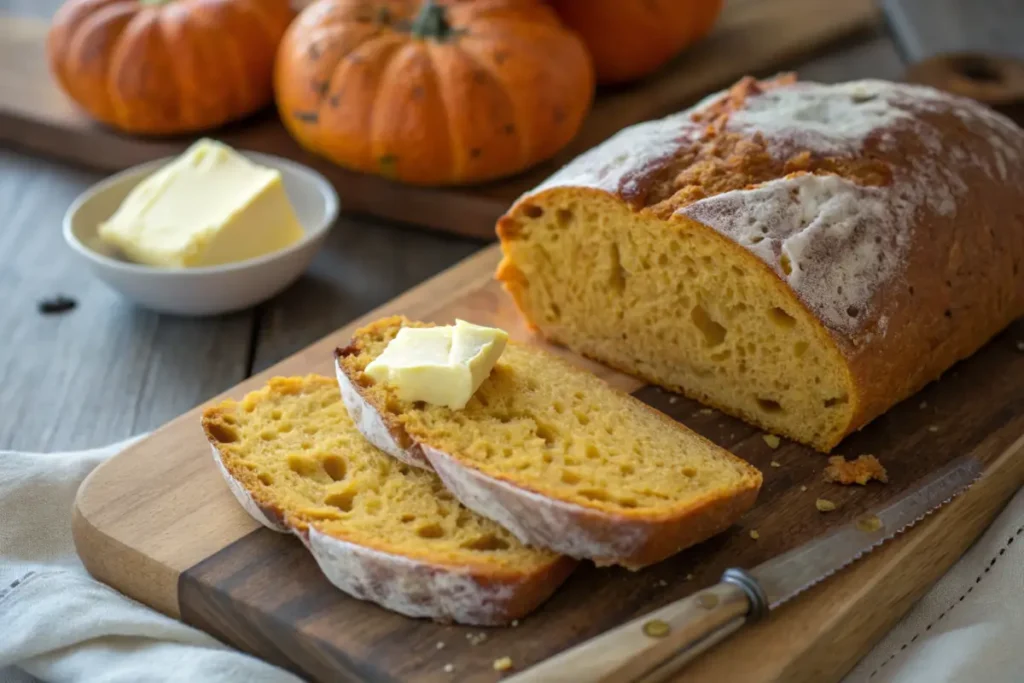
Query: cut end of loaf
point(679, 305)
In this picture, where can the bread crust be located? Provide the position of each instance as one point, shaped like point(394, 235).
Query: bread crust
point(957, 276)
point(633, 541)
point(478, 595)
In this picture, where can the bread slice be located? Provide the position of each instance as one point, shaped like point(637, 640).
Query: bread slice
point(380, 530)
point(557, 456)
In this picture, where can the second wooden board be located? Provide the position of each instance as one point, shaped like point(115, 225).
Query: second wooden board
point(752, 36)
point(158, 523)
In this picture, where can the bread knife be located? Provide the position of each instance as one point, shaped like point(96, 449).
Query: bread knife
point(656, 645)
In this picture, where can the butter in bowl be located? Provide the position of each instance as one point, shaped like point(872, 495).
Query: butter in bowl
point(208, 232)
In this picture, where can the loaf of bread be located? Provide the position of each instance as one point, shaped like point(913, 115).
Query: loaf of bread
point(802, 256)
point(379, 530)
point(555, 455)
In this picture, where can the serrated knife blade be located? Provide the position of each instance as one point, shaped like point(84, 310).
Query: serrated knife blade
point(656, 645)
point(786, 576)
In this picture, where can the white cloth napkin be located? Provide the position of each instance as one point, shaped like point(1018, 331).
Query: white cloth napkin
point(58, 624)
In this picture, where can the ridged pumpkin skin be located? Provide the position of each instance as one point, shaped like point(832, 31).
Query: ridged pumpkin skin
point(629, 39)
point(458, 93)
point(167, 67)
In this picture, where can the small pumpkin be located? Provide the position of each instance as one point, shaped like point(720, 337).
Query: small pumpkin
point(167, 66)
point(629, 40)
point(437, 93)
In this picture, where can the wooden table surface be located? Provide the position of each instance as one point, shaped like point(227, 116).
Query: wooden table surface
point(108, 369)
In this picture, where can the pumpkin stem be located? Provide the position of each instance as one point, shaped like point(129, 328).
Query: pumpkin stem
point(431, 22)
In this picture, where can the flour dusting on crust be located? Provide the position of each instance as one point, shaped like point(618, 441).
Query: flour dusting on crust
point(244, 498)
point(372, 426)
point(409, 587)
point(538, 520)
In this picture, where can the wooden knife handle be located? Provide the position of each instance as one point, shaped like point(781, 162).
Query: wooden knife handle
point(652, 646)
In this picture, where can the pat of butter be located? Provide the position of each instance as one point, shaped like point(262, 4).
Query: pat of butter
point(439, 365)
point(209, 206)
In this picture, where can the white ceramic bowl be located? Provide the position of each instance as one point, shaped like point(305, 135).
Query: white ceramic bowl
point(213, 289)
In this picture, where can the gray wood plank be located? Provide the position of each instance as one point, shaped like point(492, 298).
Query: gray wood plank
point(364, 263)
point(107, 369)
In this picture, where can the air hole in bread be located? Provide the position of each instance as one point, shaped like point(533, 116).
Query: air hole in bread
point(714, 334)
point(548, 433)
point(407, 519)
point(838, 401)
point(739, 271)
point(852, 311)
point(595, 494)
point(430, 531)
point(532, 211)
point(569, 477)
point(268, 435)
point(800, 348)
point(768, 405)
point(275, 414)
point(265, 479)
point(563, 217)
point(690, 472)
point(230, 419)
point(485, 543)
point(756, 239)
point(627, 469)
point(617, 274)
point(591, 452)
point(662, 259)
point(285, 427)
point(547, 458)
point(785, 264)
point(302, 465)
point(343, 500)
point(627, 502)
point(334, 466)
point(222, 433)
point(559, 407)
point(781, 318)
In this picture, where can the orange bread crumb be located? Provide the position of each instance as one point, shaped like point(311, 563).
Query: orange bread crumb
point(859, 471)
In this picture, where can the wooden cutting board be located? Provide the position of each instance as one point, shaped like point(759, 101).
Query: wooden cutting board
point(158, 523)
point(752, 36)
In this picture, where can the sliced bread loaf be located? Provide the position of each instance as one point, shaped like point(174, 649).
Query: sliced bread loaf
point(557, 456)
point(380, 530)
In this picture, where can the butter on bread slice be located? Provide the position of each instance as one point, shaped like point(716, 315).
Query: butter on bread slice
point(379, 530)
point(556, 456)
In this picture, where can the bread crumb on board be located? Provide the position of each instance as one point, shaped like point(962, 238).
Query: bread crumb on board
point(754, 535)
point(448, 668)
point(503, 664)
point(1020, 346)
point(772, 440)
point(803, 488)
point(859, 471)
point(440, 645)
point(824, 505)
point(775, 463)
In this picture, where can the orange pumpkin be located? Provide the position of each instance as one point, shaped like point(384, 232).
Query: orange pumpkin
point(433, 94)
point(629, 39)
point(167, 66)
